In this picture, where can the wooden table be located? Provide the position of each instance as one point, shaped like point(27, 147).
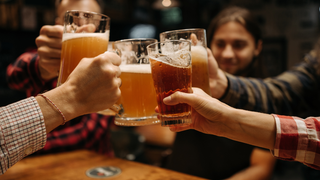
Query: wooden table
point(74, 165)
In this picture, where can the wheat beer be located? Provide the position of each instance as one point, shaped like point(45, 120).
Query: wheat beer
point(168, 79)
point(76, 46)
point(138, 96)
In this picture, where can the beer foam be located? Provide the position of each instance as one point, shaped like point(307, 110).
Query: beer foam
point(198, 52)
point(68, 36)
point(164, 59)
point(136, 68)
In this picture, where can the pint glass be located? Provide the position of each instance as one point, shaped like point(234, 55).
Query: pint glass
point(171, 72)
point(200, 75)
point(86, 34)
point(138, 97)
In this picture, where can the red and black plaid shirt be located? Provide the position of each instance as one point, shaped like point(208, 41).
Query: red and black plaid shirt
point(84, 132)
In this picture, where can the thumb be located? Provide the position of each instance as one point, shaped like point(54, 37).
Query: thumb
point(179, 97)
point(194, 39)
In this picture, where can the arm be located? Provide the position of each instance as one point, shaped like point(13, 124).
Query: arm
point(36, 72)
point(23, 125)
point(24, 75)
point(291, 93)
point(289, 138)
point(261, 166)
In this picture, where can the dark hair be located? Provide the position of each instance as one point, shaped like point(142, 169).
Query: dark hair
point(100, 3)
point(242, 16)
point(236, 14)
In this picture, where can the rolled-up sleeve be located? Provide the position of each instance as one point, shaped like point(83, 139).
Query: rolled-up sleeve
point(298, 140)
point(22, 131)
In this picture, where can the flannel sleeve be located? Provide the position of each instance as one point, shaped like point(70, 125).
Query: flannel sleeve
point(22, 131)
point(298, 140)
point(294, 92)
point(24, 75)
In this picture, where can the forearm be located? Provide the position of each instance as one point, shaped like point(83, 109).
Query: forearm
point(250, 127)
point(291, 93)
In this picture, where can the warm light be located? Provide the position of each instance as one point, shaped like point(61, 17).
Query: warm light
point(166, 3)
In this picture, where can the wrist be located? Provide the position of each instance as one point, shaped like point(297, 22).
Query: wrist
point(63, 98)
point(219, 85)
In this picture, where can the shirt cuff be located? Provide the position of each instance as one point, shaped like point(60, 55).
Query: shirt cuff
point(22, 130)
point(292, 141)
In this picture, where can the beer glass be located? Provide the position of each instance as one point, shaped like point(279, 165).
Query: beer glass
point(200, 74)
point(138, 97)
point(85, 34)
point(171, 72)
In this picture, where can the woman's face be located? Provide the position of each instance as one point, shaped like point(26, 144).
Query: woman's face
point(234, 47)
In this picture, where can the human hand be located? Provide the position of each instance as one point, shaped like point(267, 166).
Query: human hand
point(93, 85)
point(211, 116)
point(49, 49)
point(207, 112)
point(217, 79)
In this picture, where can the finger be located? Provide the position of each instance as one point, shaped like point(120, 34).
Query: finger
point(209, 52)
point(52, 42)
point(119, 82)
point(179, 128)
point(88, 28)
point(156, 109)
point(113, 57)
point(52, 31)
point(194, 39)
point(118, 71)
point(48, 52)
point(50, 63)
point(178, 97)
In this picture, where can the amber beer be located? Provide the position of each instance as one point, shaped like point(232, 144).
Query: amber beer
point(138, 96)
point(200, 72)
point(168, 79)
point(76, 46)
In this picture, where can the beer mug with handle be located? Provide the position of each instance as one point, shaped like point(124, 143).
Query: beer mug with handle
point(138, 97)
point(85, 34)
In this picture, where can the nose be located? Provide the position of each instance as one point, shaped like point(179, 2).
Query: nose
point(227, 52)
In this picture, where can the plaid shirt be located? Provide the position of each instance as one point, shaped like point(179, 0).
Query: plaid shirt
point(84, 132)
point(298, 140)
point(295, 93)
point(22, 131)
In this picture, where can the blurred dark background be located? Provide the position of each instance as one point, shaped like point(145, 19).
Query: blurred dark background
point(290, 29)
